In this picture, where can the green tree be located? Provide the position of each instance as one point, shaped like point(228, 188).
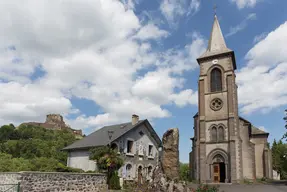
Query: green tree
point(285, 119)
point(108, 160)
point(184, 171)
point(279, 155)
point(7, 132)
point(33, 148)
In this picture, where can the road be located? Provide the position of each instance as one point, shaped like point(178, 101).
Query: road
point(275, 187)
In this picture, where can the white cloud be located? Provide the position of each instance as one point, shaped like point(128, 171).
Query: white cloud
point(245, 3)
point(150, 31)
point(173, 10)
point(241, 26)
point(259, 37)
point(262, 83)
point(91, 49)
point(185, 97)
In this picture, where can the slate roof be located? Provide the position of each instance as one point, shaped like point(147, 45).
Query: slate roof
point(257, 131)
point(101, 137)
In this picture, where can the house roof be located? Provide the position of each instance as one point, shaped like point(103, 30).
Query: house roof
point(101, 137)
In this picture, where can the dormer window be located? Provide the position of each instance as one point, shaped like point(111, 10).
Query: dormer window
point(215, 80)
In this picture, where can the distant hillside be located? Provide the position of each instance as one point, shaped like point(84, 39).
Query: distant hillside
point(34, 148)
point(55, 122)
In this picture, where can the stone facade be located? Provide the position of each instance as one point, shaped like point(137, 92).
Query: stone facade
point(225, 147)
point(170, 157)
point(55, 122)
point(58, 182)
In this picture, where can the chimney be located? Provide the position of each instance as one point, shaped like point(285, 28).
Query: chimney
point(135, 119)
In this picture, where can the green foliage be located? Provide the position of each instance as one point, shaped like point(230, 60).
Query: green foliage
point(33, 148)
point(279, 157)
point(206, 188)
point(114, 181)
point(108, 160)
point(106, 157)
point(184, 171)
point(285, 119)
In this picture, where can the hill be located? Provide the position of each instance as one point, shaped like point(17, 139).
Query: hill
point(34, 148)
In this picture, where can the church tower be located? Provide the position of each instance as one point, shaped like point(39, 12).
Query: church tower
point(217, 153)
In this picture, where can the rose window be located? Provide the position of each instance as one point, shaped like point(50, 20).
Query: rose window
point(216, 104)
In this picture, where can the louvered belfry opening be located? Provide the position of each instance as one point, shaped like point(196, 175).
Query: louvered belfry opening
point(216, 80)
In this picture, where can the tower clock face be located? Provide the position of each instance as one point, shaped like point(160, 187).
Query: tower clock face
point(215, 61)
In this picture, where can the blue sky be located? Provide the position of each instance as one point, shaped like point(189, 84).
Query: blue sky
point(97, 62)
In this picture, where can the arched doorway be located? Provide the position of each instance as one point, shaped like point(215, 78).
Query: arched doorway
point(140, 176)
point(219, 169)
point(218, 166)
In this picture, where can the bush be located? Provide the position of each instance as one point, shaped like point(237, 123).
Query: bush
point(206, 188)
point(114, 181)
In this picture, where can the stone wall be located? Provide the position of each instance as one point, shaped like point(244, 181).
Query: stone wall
point(9, 181)
point(60, 182)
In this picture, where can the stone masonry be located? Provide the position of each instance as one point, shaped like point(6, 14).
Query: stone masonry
point(170, 159)
point(58, 182)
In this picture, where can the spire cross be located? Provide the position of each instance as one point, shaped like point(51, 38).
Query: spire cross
point(214, 8)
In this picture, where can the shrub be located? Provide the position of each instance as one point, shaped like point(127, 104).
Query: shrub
point(206, 188)
point(114, 181)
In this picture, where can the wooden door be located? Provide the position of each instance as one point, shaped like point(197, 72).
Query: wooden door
point(216, 173)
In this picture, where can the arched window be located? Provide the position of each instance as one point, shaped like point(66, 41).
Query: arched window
point(149, 172)
point(213, 134)
point(215, 80)
point(129, 170)
point(220, 133)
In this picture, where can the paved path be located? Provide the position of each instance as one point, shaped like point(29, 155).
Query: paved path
point(253, 188)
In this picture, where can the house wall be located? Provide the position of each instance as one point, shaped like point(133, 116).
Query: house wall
point(139, 156)
point(80, 159)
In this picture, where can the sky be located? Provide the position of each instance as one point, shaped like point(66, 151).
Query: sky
point(97, 62)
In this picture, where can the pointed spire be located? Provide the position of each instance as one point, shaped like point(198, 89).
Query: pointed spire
point(216, 43)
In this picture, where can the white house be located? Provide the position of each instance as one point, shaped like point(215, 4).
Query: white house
point(136, 142)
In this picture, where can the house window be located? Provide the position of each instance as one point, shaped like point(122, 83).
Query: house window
point(220, 133)
point(150, 150)
point(215, 80)
point(149, 173)
point(130, 146)
point(141, 133)
point(129, 170)
point(213, 134)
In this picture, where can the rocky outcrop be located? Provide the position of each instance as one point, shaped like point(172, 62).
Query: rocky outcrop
point(55, 122)
point(165, 176)
point(170, 158)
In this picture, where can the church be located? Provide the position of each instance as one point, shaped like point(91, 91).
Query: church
point(226, 147)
